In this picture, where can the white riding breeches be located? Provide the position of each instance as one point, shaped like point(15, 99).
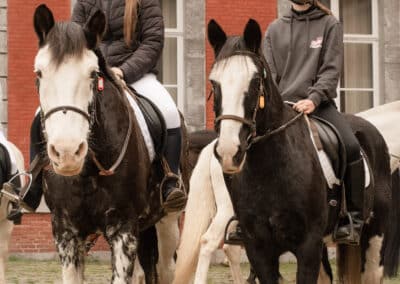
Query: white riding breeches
point(149, 87)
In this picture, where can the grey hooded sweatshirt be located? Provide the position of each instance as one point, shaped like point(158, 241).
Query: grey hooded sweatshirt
point(305, 54)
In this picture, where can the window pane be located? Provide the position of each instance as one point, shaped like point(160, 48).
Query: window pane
point(174, 93)
point(355, 101)
point(356, 16)
point(169, 66)
point(357, 66)
point(169, 13)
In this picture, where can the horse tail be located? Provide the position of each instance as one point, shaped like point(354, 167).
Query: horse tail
point(200, 209)
point(348, 263)
point(148, 253)
point(391, 244)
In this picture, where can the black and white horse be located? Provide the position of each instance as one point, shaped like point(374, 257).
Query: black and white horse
point(15, 159)
point(100, 177)
point(275, 179)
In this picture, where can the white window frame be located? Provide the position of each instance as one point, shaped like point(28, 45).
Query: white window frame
point(178, 33)
point(372, 39)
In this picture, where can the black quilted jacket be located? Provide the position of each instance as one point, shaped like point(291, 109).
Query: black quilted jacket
point(148, 39)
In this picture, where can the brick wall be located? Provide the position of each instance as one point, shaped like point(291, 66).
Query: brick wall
point(233, 15)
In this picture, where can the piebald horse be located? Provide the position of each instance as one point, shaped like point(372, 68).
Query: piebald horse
point(274, 176)
point(100, 177)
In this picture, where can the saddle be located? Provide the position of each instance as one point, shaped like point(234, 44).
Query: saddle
point(154, 120)
point(328, 138)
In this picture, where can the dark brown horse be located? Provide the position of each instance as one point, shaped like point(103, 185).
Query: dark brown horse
point(100, 177)
point(274, 176)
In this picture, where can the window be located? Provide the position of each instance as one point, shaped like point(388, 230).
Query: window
point(359, 84)
point(171, 65)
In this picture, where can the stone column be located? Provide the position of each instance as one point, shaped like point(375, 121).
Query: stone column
point(3, 64)
point(194, 106)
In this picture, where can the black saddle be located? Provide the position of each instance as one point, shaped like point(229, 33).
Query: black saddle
point(155, 122)
point(328, 138)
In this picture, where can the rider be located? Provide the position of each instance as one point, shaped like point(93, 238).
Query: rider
point(132, 45)
point(304, 50)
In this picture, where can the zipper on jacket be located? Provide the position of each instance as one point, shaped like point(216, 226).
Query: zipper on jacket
point(108, 23)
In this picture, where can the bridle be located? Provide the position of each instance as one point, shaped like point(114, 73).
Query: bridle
point(253, 138)
point(98, 87)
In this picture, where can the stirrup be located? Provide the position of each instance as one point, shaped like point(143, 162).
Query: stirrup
point(177, 198)
point(237, 241)
point(353, 237)
point(16, 194)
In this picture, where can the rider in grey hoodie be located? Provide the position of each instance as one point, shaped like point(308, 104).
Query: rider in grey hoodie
point(304, 50)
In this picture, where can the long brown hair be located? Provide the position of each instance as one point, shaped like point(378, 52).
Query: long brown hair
point(130, 19)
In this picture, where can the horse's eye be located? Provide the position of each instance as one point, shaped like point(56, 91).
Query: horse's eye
point(38, 74)
point(93, 74)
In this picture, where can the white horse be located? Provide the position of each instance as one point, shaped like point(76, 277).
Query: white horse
point(5, 225)
point(208, 210)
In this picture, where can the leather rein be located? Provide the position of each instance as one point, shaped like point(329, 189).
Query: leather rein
point(89, 116)
point(253, 138)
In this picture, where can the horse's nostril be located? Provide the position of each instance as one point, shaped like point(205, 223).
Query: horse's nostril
point(54, 152)
point(80, 150)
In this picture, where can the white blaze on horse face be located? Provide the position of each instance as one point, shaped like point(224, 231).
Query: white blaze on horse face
point(68, 84)
point(234, 76)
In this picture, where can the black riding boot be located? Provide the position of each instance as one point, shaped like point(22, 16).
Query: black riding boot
point(33, 195)
point(173, 196)
point(350, 227)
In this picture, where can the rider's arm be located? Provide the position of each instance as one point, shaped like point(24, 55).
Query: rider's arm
point(330, 68)
point(78, 13)
point(151, 33)
point(268, 54)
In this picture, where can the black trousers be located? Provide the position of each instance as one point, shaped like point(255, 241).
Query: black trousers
point(330, 113)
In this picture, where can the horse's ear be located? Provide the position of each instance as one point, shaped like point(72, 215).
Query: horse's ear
point(216, 36)
point(252, 35)
point(43, 22)
point(95, 28)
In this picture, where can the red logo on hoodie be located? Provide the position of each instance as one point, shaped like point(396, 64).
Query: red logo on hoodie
point(316, 43)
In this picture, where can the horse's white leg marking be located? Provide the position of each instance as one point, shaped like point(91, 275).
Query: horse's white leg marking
point(71, 252)
point(168, 240)
point(233, 253)
point(138, 273)
point(215, 233)
point(373, 271)
point(124, 246)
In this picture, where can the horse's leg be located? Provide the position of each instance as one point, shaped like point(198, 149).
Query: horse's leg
point(371, 255)
point(71, 251)
point(234, 253)
point(309, 256)
point(5, 233)
point(123, 243)
point(215, 233)
point(138, 273)
point(265, 263)
point(168, 240)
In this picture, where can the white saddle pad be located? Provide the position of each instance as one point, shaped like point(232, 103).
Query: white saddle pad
point(143, 126)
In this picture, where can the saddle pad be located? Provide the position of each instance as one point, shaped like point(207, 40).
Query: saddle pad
point(13, 161)
point(143, 126)
point(326, 164)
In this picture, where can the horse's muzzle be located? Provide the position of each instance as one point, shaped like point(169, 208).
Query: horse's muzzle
point(230, 163)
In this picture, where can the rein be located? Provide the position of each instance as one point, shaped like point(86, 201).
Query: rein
point(90, 118)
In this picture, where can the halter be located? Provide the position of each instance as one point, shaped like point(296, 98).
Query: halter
point(98, 88)
point(253, 137)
